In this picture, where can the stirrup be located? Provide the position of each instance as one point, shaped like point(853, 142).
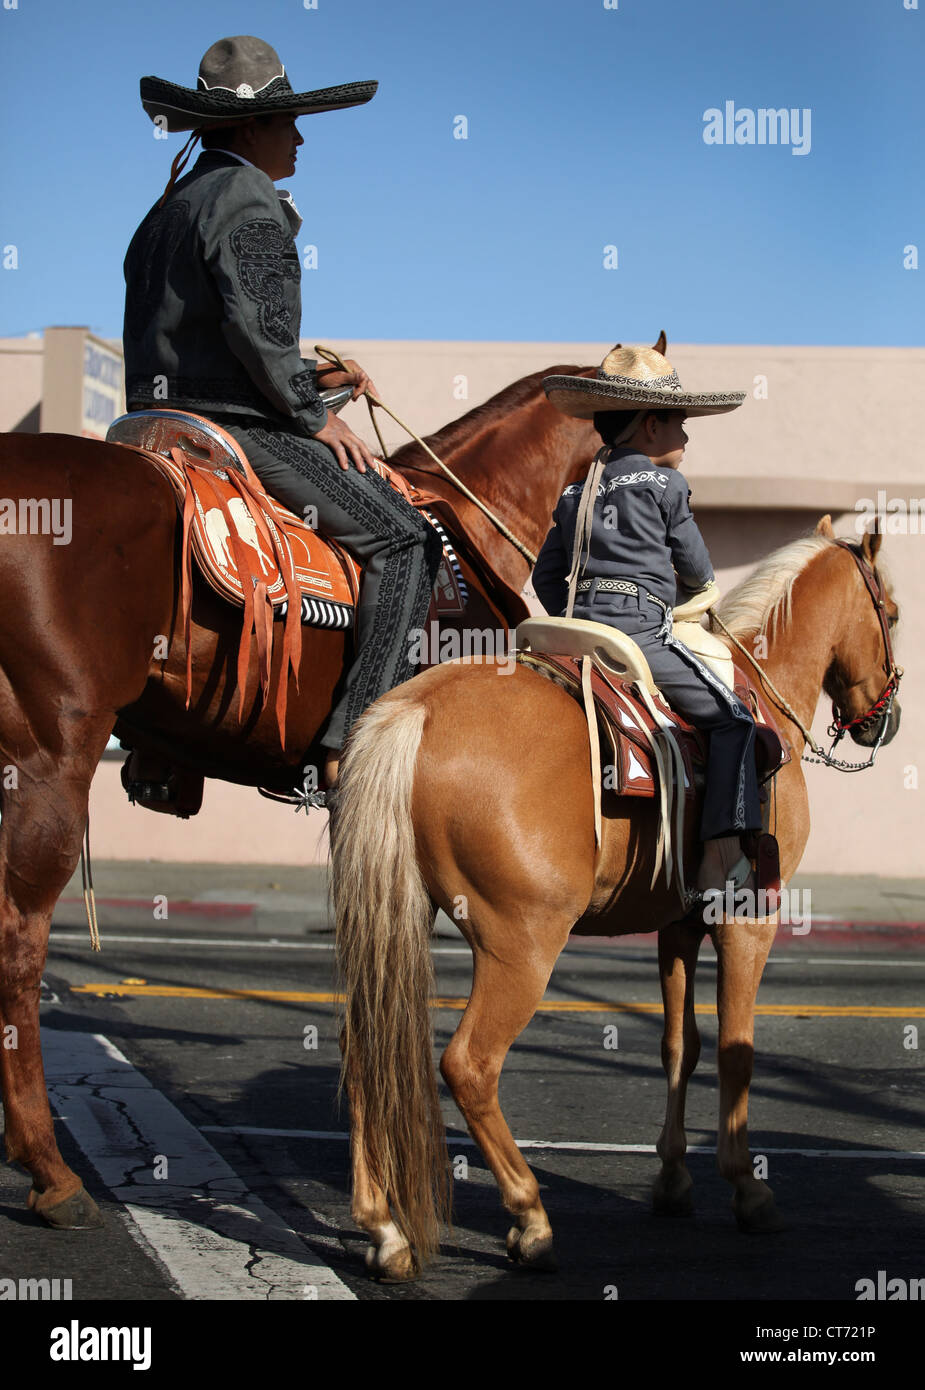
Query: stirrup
point(738, 874)
point(736, 878)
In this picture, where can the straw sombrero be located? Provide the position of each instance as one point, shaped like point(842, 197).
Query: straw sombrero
point(238, 78)
point(635, 378)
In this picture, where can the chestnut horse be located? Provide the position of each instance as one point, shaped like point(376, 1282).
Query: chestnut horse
point(83, 631)
point(469, 791)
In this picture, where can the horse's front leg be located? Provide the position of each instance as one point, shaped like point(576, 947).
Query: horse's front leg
point(742, 949)
point(40, 838)
point(678, 945)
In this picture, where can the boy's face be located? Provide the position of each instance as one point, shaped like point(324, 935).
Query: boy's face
point(666, 440)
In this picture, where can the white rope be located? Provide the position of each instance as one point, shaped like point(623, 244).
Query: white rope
point(331, 356)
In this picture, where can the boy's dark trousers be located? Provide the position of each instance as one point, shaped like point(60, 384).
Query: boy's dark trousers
point(731, 801)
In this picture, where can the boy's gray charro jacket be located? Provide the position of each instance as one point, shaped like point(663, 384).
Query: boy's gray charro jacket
point(641, 527)
point(213, 301)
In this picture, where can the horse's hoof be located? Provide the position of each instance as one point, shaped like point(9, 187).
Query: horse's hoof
point(399, 1267)
point(761, 1219)
point(675, 1198)
point(78, 1212)
point(531, 1252)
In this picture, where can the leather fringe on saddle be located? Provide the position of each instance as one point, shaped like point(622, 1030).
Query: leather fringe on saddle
point(258, 609)
point(86, 875)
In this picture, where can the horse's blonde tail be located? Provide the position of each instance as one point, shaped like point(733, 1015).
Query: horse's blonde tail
point(384, 917)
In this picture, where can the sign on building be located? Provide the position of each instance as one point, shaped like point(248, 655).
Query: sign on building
point(82, 387)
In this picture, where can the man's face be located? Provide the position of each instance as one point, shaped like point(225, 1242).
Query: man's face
point(272, 145)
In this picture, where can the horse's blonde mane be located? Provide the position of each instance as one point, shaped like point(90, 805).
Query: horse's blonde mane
point(763, 600)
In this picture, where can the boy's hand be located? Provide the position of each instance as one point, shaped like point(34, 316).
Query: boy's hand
point(704, 598)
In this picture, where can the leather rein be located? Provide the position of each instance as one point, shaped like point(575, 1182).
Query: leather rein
point(330, 355)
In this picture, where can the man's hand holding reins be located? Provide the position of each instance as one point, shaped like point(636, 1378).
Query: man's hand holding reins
point(338, 436)
point(355, 376)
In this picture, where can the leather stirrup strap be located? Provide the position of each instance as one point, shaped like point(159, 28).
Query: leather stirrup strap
point(186, 575)
point(594, 739)
point(671, 768)
point(662, 846)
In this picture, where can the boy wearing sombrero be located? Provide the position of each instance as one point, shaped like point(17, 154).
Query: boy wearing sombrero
point(616, 559)
point(212, 323)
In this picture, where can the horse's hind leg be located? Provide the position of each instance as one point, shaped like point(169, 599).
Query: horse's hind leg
point(678, 946)
point(389, 1257)
point(44, 816)
point(505, 995)
point(742, 949)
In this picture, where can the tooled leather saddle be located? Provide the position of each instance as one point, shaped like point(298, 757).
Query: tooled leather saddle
point(596, 663)
point(260, 556)
point(252, 550)
point(633, 773)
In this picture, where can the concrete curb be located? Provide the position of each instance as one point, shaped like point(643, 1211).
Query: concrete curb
point(264, 900)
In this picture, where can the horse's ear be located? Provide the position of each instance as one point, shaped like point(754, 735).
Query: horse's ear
point(872, 542)
point(662, 343)
point(824, 527)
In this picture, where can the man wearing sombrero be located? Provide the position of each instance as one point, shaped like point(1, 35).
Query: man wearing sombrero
point(212, 322)
point(615, 560)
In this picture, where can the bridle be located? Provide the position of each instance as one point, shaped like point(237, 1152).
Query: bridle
point(882, 707)
point(877, 592)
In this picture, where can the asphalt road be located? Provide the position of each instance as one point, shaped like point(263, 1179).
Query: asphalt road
point(836, 1087)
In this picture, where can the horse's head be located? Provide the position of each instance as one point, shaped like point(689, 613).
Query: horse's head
point(862, 674)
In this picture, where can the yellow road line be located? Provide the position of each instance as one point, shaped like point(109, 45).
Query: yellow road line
point(581, 1006)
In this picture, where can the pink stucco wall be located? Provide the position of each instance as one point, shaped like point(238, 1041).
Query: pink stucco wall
point(821, 428)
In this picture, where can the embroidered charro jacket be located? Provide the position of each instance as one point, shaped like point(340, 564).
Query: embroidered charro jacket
point(213, 300)
point(642, 529)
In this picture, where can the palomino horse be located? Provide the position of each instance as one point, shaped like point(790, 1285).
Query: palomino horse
point(83, 629)
point(472, 792)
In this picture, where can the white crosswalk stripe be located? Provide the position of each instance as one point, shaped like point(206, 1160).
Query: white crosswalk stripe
point(215, 1238)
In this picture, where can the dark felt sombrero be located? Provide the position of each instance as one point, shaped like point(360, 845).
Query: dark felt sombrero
point(238, 78)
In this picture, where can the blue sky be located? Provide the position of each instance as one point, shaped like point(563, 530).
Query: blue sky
point(585, 130)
